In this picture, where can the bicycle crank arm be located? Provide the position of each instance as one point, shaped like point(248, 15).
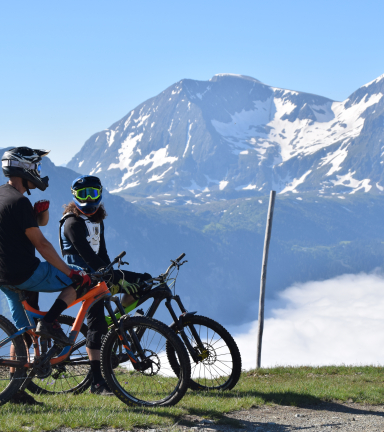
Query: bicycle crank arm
point(143, 365)
point(56, 349)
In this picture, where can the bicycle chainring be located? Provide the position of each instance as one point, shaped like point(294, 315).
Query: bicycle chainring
point(44, 371)
point(58, 370)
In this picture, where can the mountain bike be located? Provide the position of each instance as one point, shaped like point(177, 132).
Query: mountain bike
point(214, 356)
point(213, 353)
point(136, 369)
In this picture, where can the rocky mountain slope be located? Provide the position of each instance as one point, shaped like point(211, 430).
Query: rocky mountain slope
point(312, 239)
point(234, 136)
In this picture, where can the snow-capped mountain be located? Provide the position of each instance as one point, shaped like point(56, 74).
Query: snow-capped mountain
point(233, 135)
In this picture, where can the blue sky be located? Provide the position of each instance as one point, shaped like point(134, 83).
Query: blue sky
point(70, 69)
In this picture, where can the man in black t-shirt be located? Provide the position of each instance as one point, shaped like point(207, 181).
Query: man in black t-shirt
point(20, 236)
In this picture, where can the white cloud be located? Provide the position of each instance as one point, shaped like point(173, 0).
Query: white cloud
point(337, 321)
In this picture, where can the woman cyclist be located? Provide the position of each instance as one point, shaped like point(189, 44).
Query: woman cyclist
point(82, 243)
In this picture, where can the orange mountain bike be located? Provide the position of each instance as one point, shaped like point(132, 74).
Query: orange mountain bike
point(136, 369)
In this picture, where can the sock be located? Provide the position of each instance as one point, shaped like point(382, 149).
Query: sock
point(11, 375)
point(57, 308)
point(96, 371)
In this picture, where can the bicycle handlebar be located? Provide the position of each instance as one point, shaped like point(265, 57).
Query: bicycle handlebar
point(174, 263)
point(121, 255)
point(103, 272)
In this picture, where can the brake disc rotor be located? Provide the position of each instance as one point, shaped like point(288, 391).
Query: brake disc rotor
point(208, 356)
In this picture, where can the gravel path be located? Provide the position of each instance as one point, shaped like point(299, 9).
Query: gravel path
point(324, 417)
point(316, 418)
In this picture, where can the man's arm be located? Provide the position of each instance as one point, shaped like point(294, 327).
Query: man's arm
point(46, 249)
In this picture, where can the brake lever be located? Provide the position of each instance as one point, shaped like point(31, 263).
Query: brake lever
point(119, 263)
point(95, 279)
point(178, 264)
point(146, 285)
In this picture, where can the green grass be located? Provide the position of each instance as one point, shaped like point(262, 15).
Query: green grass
point(281, 385)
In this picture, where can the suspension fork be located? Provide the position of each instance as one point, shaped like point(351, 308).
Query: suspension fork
point(121, 334)
point(180, 328)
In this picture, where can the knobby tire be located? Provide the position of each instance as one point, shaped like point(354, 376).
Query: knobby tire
point(9, 387)
point(67, 377)
point(159, 385)
point(221, 370)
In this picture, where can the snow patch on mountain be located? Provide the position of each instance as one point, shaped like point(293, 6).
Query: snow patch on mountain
point(110, 137)
point(188, 139)
point(375, 81)
point(347, 180)
point(291, 187)
point(223, 184)
point(256, 128)
point(233, 134)
point(159, 158)
point(126, 151)
point(335, 158)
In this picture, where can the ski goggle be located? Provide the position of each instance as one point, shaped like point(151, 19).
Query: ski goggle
point(85, 193)
point(25, 165)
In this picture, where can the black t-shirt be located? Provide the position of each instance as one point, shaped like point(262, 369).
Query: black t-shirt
point(75, 230)
point(17, 254)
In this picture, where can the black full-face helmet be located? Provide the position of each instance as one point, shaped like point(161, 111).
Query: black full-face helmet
point(25, 162)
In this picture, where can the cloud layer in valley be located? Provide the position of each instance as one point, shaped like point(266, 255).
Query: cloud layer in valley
point(337, 321)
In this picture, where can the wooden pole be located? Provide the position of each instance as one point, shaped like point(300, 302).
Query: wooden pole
point(263, 279)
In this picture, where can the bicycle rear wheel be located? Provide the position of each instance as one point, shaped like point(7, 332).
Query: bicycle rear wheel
point(8, 387)
point(219, 366)
point(71, 376)
point(158, 384)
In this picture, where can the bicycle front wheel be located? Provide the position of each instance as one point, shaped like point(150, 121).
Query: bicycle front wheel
point(72, 375)
point(152, 382)
point(12, 350)
point(219, 364)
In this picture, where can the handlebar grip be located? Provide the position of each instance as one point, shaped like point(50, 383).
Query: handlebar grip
point(180, 257)
point(117, 259)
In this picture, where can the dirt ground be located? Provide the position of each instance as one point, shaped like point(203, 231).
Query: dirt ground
point(316, 418)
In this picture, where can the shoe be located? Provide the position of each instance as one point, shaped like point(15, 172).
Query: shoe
point(52, 331)
point(23, 398)
point(101, 389)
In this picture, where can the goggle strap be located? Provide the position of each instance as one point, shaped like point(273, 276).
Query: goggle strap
point(19, 164)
